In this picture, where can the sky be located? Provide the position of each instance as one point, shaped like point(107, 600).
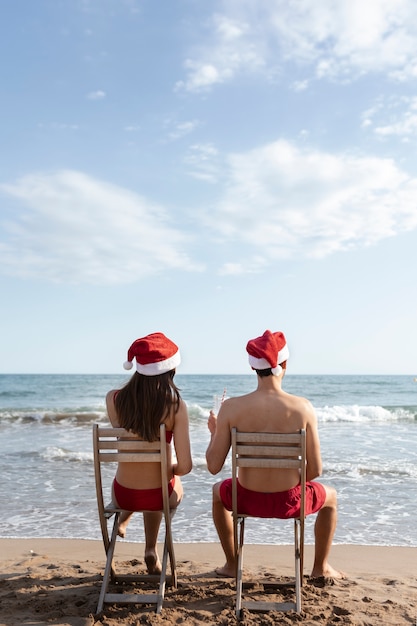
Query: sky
point(208, 170)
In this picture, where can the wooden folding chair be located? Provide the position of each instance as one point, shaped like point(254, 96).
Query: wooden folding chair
point(116, 445)
point(268, 450)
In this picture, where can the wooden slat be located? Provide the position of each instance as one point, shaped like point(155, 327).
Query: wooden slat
point(268, 437)
point(132, 444)
point(284, 451)
point(114, 432)
point(142, 578)
point(129, 457)
point(274, 463)
point(260, 606)
point(131, 598)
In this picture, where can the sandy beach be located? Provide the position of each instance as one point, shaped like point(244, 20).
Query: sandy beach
point(52, 581)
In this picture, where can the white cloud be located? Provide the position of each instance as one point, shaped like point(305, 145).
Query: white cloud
point(392, 117)
point(279, 201)
point(350, 37)
point(405, 127)
point(300, 85)
point(253, 265)
point(96, 95)
point(202, 161)
point(283, 201)
point(337, 40)
point(230, 50)
point(78, 229)
point(181, 129)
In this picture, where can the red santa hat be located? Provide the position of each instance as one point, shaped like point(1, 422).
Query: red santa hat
point(155, 354)
point(268, 351)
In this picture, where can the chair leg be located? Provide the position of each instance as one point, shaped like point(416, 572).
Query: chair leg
point(173, 565)
point(162, 579)
point(167, 553)
point(298, 571)
point(108, 571)
point(302, 523)
point(137, 598)
point(239, 566)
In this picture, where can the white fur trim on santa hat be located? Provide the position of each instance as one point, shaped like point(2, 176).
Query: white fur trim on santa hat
point(263, 364)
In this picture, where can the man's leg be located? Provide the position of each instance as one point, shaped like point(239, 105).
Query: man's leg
point(152, 522)
point(224, 525)
point(324, 531)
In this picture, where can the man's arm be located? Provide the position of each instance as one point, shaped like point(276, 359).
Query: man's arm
point(314, 462)
point(220, 441)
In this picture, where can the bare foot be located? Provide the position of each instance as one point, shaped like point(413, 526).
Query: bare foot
point(226, 572)
point(122, 530)
point(329, 572)
point(153, 564)
point(124, 520)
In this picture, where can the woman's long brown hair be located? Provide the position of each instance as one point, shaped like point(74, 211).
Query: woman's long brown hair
point(145, 402)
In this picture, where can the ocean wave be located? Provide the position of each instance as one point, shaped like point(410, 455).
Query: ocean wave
point(199, 414)
point(76, 417)
point(366, 414)
point(363, 470)
point(54, 453)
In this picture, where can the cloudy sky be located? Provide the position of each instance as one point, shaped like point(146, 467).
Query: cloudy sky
point(208, 170)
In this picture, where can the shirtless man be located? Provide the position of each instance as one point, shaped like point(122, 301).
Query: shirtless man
point(270, 409)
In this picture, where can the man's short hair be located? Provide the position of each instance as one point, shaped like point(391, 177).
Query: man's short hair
point(264, 373)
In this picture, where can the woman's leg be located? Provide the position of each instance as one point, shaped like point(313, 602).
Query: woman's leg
point(124, 516)
point(152, 522)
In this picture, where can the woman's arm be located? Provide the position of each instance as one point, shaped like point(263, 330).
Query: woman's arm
point(182, 445)
point(111, 409)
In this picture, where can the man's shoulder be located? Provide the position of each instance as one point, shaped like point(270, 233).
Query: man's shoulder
point(300, 402)
point(243, 400)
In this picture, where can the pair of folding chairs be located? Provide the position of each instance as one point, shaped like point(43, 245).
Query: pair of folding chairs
point(261, 450)
point(116, 445)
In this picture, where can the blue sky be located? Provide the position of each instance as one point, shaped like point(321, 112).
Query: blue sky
point(208, 170)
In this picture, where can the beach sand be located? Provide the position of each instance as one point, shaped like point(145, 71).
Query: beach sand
point(54, 581)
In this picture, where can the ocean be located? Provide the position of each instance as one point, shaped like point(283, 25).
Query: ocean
point(368, 434)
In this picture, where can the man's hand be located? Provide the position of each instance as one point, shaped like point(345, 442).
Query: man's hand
point(212, 423)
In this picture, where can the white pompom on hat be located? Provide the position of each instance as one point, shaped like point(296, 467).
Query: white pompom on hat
point(268, 351)
point(155, 354)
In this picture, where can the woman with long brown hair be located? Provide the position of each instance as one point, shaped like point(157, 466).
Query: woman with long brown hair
point(149, 399)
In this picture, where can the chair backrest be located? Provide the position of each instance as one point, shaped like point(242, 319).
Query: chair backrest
point(117, 445)
point(269, 450)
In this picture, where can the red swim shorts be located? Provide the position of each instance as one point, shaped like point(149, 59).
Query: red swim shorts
point(280, 504)
point(140, 499)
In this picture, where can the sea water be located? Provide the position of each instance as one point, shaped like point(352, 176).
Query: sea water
point(368, 434)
